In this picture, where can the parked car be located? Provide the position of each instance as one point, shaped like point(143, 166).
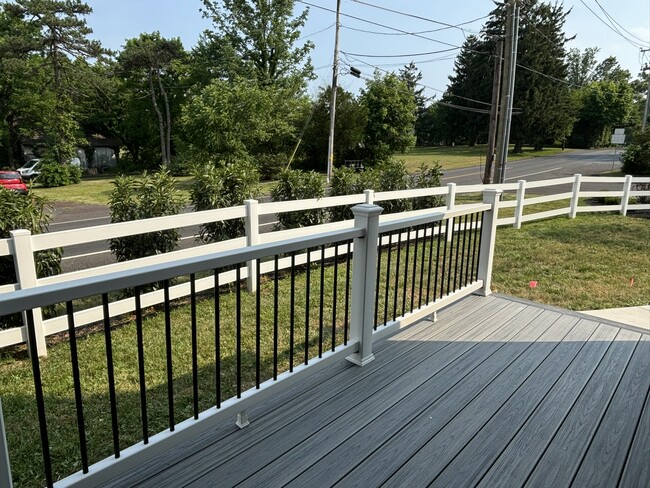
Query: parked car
point(30, 170)
point(11, 180)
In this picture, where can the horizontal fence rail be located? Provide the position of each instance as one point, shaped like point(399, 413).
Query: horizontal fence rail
point(201, 359)
point(23, 245)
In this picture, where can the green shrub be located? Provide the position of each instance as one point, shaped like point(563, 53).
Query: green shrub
point(295, 184)
point(153, 195)
point(25, 212)
point(220, 187)
point(427, 177)
point(271, 165)
point(636, 158)
point(54, 174)
point(391, 175)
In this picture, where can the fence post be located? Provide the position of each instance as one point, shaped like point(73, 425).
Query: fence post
point(26, 276)
point(370, 196)
point(364, 274)
point(519, 209)
point(488, 235)
point(252, 226)
point(574, 197)
point(451, 204)
point(5, 468)
point(627, 187)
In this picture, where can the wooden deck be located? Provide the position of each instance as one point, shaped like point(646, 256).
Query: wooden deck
point(497, 392)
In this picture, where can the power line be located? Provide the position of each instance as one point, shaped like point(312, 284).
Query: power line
point(400, 55)
point(615, 22)
point(609, 26)
point(448, 26)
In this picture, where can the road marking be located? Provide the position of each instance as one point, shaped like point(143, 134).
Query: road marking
point(80, 220)
point(473, 173)
point(537, 173)
point(85, 255)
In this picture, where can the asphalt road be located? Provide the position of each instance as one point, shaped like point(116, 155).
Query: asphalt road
point(71, 215)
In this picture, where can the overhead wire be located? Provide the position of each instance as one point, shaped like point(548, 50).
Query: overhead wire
point(609, 26)
point(612, 19)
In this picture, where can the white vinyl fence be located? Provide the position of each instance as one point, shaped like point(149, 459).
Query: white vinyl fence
point(22, 245)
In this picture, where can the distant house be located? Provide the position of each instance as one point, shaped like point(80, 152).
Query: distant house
point(100, 153)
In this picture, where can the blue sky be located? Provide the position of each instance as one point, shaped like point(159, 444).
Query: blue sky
point(113, 21)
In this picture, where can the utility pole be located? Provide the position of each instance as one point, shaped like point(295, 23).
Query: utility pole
point(494, 111)
point(335, 75)
point(508, 89)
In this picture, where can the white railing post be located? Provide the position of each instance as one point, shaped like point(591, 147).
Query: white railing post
point(252, 226)
point(26, 276)
point(5, 468)
point(364, 274)
point(519, 209)
point(370, 196)
point(451, 204)
point(488, 235)
point(574, 197)
point(627, 187)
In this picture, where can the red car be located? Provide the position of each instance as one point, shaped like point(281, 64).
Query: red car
point(11, 180)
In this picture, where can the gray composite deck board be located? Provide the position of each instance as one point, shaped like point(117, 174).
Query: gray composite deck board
point(496, 393)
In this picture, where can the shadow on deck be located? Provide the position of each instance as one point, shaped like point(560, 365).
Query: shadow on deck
point(497, 392)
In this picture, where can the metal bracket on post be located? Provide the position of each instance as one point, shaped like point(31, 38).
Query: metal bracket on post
point(575, 196)
point(26, 274)
point(364, 274)
point(625, 201)
point(242, 419)
point(5, 468)
point(252, 226)
point(488, 236)
point(519, 209)
point(451, 204)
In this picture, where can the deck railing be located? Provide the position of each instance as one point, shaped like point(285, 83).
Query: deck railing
point(22, 245)
point(355, 284)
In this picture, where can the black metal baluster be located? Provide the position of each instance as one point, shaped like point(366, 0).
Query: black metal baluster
point(335, 293)
point(377, 282)
point(397, 263)
point(435, 284)
point(462, 253)
point(217, 337)
point(387, 291)
point(457, 252)
point(143, 387)
point(424, 247)
point(415, 267)
point(168, 351)
point(433, 233)
point(444, 259)
point(406, 269)
point(468, 279)
point(292, 309)
point(111, 376)
point(347, 294)
point(238, 324)
point(307, 309)
point(74, 359)
point(478, 252)
point(258, 326)
point(40, 400)
point(195, 359)
point(322, 304)
point(276, 294)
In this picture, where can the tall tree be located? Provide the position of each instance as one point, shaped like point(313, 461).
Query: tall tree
point(580, 66)
point(348, 129)
point(391, 116)
point(262, 35)
point(541, 90)
point(156, 61)
point(55, 32)
point(412, 76)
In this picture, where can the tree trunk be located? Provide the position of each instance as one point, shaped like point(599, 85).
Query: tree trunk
point(161, 123)
point(168, 139)
point(519, 147)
